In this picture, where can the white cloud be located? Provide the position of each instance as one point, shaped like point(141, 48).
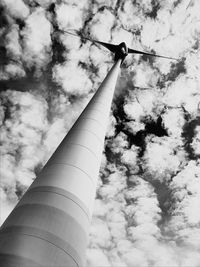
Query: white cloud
point(183, 91)
point(118, 34)
point(69, 17)
point(22, 150)
point(37, 38)
point(70, 76)
point(134, 257)
point(55, 134)
point(119, 143)
point(12, 42)
point(14, 71)
point(184, 221)
point(173, 120)
point(98, 56)
point(101, 25)
point(126, 16)
point(17, 8)
point(134, 110)
point(164, 157)
point(130, 157)
point(101, 234)
point(116, 185)
point(111, 126)
point(135, 126)
point(6, 203)
point(97, 258)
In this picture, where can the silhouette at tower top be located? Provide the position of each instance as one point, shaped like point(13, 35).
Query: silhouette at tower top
point(121, 50)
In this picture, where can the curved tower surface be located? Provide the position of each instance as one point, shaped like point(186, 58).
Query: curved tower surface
point(49, 226)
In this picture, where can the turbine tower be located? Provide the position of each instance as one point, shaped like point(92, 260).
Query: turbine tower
point(49, 226)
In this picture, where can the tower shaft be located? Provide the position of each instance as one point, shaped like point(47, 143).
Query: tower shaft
point(49, 226)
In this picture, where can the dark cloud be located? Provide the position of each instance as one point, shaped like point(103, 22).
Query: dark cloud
point(176, 3)
point(188, 135)
point(3, 18)
point(155, 7)
point(176, 69)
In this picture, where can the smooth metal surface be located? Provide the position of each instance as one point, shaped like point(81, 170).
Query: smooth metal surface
point(49, 226)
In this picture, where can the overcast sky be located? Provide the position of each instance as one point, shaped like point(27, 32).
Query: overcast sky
point(147, 206)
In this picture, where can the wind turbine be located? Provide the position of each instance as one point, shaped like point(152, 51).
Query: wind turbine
point(120, 51)
point(50, 224)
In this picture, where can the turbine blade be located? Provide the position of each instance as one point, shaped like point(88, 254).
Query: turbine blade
point(132, 51)
point(110, 47)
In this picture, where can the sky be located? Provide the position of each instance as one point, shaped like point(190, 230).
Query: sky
point(146, 210)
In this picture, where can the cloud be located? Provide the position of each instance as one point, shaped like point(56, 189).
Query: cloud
point(17, 9)
point(171, 156)
point(97, 256)
point(13, 43)
point(69, 16)
point(184, 221)
point(13, 71)
point(129, 157)
point(178, 94)
point(70, 81)
point(196, 141)
point(134, 109)
point(37, 40)
point(126, 16)
point(101, 25)
point(21, 135)
point(173, 120)
point(44, 3)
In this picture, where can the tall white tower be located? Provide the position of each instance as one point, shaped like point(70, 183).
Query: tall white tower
point(49, 226)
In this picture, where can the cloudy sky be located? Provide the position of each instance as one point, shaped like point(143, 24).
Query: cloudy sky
point(147, 205)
